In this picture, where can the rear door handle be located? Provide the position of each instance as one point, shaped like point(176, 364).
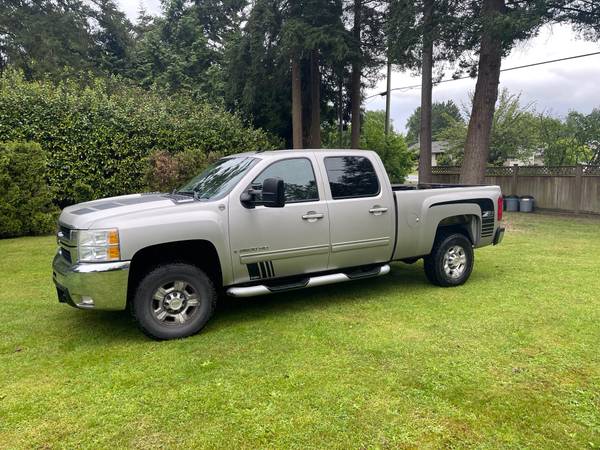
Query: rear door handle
point(312, 216)
point(378, 210)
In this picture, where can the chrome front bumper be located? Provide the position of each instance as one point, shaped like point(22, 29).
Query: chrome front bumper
point(91, 285)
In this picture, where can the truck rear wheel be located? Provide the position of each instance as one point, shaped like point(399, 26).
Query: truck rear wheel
point(450, 263)
point(174, 301)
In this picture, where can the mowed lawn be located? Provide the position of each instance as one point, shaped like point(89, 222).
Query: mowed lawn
point(510, 360)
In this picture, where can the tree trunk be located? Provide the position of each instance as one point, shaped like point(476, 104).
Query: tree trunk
point(356, 75)
point(315, 100)
point(296, 104)
point(426, 93)
point(484, 101)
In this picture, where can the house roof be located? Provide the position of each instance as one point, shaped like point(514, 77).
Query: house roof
point(437, 147)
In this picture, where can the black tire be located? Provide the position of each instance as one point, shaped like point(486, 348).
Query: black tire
point(435, 262)
point(180, 310)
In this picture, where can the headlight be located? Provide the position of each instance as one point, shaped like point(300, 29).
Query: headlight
point(98, 245)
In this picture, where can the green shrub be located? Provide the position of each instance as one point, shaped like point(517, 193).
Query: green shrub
point(166, 172)
point(98, 137)
point(25, 199)
point(397, 158)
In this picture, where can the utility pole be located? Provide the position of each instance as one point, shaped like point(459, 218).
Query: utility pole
point(388, 96)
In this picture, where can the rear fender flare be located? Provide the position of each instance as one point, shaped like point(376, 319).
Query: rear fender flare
point(437, 214)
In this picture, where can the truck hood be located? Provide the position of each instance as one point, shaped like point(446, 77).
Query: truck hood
point(83, 215)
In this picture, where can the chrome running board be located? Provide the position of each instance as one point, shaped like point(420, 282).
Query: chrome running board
point(261, 289)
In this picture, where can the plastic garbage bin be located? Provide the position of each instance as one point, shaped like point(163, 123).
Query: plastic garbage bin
point(512, 203)
point(526, 203)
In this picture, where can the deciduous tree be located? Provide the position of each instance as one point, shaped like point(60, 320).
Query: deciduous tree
point(443, 115)
point(514, 133)
point(586, 131)
point(558, 144)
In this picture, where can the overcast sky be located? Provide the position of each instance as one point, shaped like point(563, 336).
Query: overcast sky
point(553, 88)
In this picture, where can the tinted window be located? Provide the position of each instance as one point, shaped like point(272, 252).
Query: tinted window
point(351, 176)
point(298, 176)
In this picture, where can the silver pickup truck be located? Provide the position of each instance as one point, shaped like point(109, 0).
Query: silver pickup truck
point(261, 223)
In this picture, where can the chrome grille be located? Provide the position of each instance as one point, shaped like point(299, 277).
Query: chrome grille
point(64, 232)
point(66, 254)
point(66, 236)
point(68, 243)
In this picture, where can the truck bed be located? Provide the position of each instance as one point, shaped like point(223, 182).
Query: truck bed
point(421, 208)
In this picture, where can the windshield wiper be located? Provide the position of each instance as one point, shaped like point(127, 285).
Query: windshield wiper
point(194, 194)
point(188, 193)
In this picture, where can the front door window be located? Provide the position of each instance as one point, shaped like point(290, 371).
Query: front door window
point(298, 176)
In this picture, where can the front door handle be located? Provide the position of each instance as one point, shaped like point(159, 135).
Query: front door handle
point(312, 216)
point(378, 210)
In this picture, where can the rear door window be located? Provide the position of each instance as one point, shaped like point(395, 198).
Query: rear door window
point(351, 177)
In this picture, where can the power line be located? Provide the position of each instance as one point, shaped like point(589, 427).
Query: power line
point(414, 86)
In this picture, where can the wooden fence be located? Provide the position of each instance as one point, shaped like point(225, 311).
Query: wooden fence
point(563, 188)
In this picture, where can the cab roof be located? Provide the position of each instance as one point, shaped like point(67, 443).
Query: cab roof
point(267, 153)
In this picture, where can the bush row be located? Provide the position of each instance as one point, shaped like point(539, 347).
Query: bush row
point(67, 143)
point(26, 205)
point(98, 138)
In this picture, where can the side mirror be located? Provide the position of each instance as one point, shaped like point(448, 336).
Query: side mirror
point(273, 193)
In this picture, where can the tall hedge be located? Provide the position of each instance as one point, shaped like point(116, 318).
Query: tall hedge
point(98, 137)
point(26, 205)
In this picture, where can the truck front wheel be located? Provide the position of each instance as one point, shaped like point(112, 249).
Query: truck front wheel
point(174, 301)
point(451, 260)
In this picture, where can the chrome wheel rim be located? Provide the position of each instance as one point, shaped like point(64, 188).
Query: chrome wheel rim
point(175, 303)
point(455, 261)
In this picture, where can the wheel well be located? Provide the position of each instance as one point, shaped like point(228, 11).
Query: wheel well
point(466, 224)
point(199, 253)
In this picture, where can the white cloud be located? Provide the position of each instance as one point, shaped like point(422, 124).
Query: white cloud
point(131, 7)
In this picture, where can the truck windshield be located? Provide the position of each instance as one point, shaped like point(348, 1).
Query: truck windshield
point(218, 179)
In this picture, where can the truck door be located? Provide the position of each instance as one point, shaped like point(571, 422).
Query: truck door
point(277, 242)
point(361, 211)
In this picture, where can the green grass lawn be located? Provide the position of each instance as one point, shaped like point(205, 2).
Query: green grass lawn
point(511, 359)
